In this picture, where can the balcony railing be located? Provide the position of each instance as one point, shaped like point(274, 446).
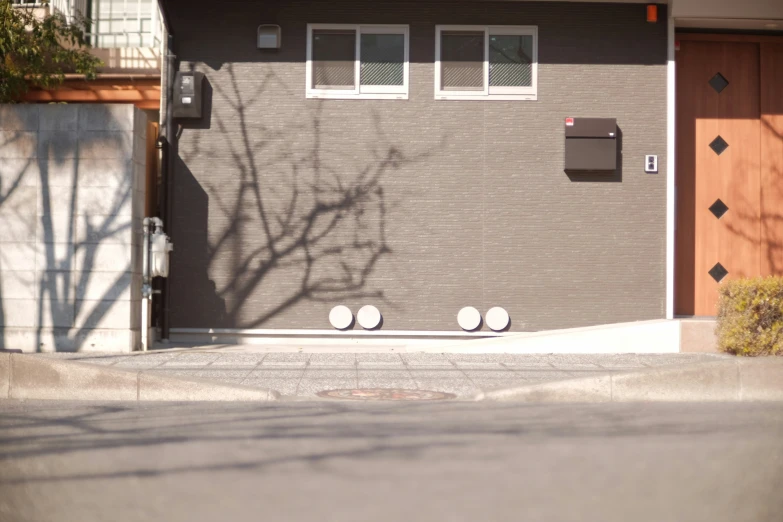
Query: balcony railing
point(123, 23)
point(111, 24)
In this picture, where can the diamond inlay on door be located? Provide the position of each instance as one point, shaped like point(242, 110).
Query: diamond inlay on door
point(719, 145)
point(718, 208)
point(718, 82)
point(718, 272)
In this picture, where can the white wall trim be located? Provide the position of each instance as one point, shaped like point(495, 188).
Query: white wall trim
point(303, 332)
point(671, 194)
point(654, 336)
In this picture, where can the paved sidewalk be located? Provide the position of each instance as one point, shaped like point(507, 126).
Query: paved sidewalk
point(305, 374)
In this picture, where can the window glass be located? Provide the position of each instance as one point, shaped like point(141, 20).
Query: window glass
point(462, 60)
point(510, 60)
point(334, 56)
point(382, 59)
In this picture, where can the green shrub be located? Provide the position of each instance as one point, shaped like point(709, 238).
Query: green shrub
point(39, 50)
point(750, 317)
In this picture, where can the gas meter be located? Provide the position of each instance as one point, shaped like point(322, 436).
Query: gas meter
point(160, 246)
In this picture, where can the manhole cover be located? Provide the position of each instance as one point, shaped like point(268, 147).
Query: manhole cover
point(386, 394)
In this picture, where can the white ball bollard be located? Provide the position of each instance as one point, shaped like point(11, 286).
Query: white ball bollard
point(469, 318)
point(341, 317)
point(369, 317)
point(497, 319)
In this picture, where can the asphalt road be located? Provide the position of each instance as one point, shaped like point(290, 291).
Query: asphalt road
point(338, 461)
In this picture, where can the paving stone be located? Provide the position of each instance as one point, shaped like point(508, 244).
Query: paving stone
point(378, 358)
point(495, 384)
point(491, 357)
point(491, 374)
point(145, 361)
point(103, 360)
point(425, 359)
point(283, 386)
point(407, 384)
point(620, 361)
point(171, 372)
point(676, 358)
point(532, 364)
point(286, 358)
point(70, 355)
point(276, 373)
point(332, 359)
point(436, 372)
point(192, 359)
point(386, 379)
point(465, 365)
point(313, 373)
point(283, 364)
point(329, 373)
point(462, 389)
point(217, 373)
point(382, 365)
point(590, 371)
point(234, 381)
point(570, 358)
point(237, 360)
point(575, 366)
point(310, 387)
point(542, 375)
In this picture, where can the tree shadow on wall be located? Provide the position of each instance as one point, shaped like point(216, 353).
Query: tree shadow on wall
point(280, 224)
point(770, 212)
point(63, 207)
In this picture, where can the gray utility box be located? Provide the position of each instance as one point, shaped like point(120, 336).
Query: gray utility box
point(591, 144)
point(188, 94)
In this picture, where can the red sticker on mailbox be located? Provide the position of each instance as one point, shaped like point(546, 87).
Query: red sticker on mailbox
point(569, 122)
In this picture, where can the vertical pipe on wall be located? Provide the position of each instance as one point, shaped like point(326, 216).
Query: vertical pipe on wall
point(671, 195)
point(171, 137)
point(146, 290)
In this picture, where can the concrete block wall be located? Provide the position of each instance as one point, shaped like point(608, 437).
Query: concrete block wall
point(71, 204)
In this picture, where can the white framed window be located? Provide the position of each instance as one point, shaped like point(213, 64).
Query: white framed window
point(349, 61)
point(479, 62)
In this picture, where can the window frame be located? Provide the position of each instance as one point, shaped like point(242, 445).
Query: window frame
point(489, 93)
point(367, 92)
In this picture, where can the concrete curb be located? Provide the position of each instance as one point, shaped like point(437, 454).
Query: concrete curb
point(31, 377)
point(732, 380)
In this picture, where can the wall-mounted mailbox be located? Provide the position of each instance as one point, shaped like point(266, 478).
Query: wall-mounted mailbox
point(591, 144)
point(188, 94)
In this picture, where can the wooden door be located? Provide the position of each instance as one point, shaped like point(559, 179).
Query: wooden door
point(728, 149)
point(151, 183)
point(772, 158)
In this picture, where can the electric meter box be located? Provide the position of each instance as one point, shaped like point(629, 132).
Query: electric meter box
point(188, 94)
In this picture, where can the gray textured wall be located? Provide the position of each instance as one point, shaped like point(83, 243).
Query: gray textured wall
point(286, 206)
point(71, 204)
